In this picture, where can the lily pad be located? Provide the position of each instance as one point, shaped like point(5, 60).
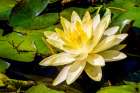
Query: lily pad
point(119, 89)
point(5, 8)
point(41, 88)
point(23, 45)
point(33, 40)
point(8, 51)
point(68, 11)
point(125, 9)
point(29, 14)
point(36, 6)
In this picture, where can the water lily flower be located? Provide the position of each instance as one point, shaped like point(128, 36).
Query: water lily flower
point(86, 45)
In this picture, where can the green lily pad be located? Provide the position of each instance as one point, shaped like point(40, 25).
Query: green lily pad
point(68, 11)
point(43, 21)
point(28, 15)
point(41, 88)
point(33, 41)
point(125, 9)
point(5, 8)
point(36, 6)
point(118, 89)
point(23, 45)
point(8, 51)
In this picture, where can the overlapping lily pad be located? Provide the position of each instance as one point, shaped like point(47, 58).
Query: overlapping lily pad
point(27, 14)
point(125, 9)
point(23, 45)
point(6, 8)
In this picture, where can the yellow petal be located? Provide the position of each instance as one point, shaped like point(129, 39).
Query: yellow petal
point(96, 60)
point(109, 42)
point(48, 33)
point(75, 71)
point(58, 59)
point(88, 30)
point(111, 31)
point(65, 24)
point(97, 34)
point(125, 26)
point(75, 17)
point(61, 76)
point(94, 72)
point(87, 24)
point(86, 17)
point(118, 47)
point(107, 12)
point(96, 21)
point(54, 39)
point(82, 35)
point(113, 55)
point(61, 34)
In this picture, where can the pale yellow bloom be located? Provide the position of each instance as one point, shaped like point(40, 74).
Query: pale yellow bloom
point(86, 44)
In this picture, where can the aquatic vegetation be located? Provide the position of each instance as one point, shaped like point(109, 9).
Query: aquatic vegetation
point(86, 45)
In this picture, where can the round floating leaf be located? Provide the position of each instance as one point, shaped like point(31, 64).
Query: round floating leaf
point(37, 6)
point(5, 8)
point(118, 89)
point(29, 14)
point(68, 11)
point(125, 9)
point(41, 88)
point(8, 51)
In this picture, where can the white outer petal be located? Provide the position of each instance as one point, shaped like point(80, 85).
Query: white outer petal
point(98, 33)
point(96, 21)
point(109, 42)
point(61, 76)
point(96, 60)
point(54, 39)
point(94, 72)
point(58, 59)
point(65, 24)
point(75, 71)
point(111, 31)
point(119, 47)
point(113, 55)
point(75, 17)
